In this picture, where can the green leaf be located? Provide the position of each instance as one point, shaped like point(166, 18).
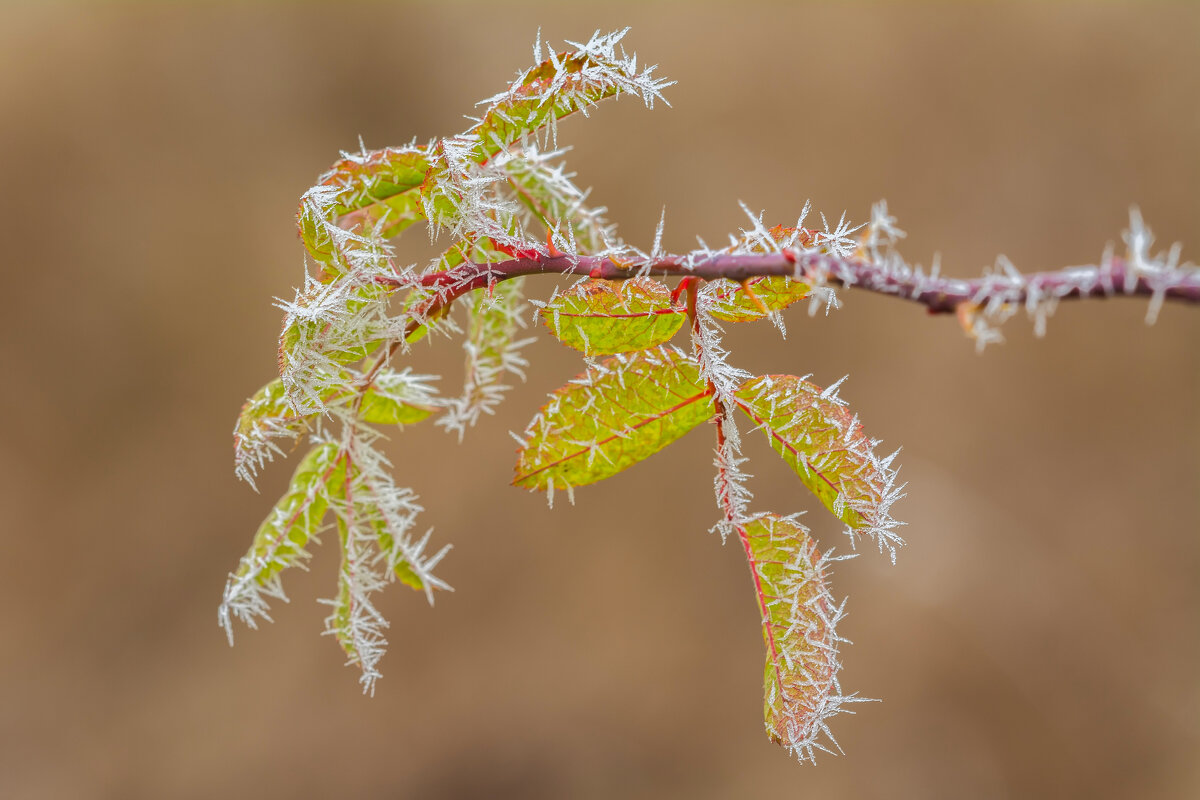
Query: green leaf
point(825, 445)
point(394, 399)
point(296, 518)
point(318, 337)
point(351, 327)
point(622, 410)
point(402, 568)
point(377, 176)
point(580, 80)
point(799, 619)
point(733, 304)
point(605, 317)
point(265, 418)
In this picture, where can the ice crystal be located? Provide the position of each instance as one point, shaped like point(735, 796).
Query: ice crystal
point(729, 484)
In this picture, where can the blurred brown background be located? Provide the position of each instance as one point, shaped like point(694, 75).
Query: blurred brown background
point(1038, 637)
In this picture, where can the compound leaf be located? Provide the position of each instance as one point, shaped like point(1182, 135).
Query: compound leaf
point(622, 410)
point(733, 303)
point(602, 317)
point(825, 445)
point(799, 619)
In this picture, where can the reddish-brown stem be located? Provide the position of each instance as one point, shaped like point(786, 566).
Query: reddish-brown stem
point(938, 295)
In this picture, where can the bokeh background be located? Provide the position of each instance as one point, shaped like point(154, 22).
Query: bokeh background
point(1040, 635)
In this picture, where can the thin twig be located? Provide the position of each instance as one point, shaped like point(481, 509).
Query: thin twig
point(1113, 278)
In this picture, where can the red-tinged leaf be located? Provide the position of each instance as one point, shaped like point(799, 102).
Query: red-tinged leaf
point(618, 413)
point(560, 85)
point(799, 620)
point(376, 175)
point(825, 445)
point(358, 194)
point(601, 317)
point(767, 294)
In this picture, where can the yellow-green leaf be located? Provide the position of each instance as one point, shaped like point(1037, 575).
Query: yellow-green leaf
point(553, 89)
point(773, 293)
point(266, 417)
point(602, 317)
point(825, 445)
point(283, 535)
point(393, 399)
point(622, 410)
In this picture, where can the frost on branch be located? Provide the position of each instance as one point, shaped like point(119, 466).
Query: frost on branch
point(763, 296)
point(729, 484)
point(601, 317)
point(983, 304)
point(624, 409)
point(825, 445)
point(799, 619)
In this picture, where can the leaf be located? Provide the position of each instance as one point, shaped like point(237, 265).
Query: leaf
point(601, 317)
point(265, 418)
point(395, 398)
point(359, 192)
point(325, 327)
point(799, 619)
point(376, 176)
point(825, 445)
point(493, 353)
point(553, 200)
point(775, 293)
point(562, 84)
point(354, 621)
point(281, 539)
point(622, 410)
